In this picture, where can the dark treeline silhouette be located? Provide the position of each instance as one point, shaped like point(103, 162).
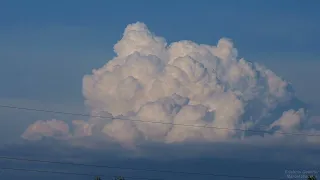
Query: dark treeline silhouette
point(312, 178)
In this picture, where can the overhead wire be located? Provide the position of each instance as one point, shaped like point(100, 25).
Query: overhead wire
point(127, 177)
point(74, 173)
point(157, 122)
point(126, 168)
point(106, 166)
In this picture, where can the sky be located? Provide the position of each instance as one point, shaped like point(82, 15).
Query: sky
point(48, 51)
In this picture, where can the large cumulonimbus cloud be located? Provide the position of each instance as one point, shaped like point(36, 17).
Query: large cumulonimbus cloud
point(179, 83)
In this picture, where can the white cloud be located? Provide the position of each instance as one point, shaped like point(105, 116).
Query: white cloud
point(180, 83)
point(290, 120)
point(51, 128)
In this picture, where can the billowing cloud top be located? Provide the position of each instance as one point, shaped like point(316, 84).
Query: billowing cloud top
point(180, 83)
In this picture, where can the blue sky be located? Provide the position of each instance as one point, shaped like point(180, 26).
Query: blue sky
point(47, 47)
point(47, 38)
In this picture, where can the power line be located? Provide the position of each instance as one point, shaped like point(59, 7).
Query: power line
point(126, 168)
point(126, 177)
point(156, 122)
point(106, 166)
point(73, 173)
